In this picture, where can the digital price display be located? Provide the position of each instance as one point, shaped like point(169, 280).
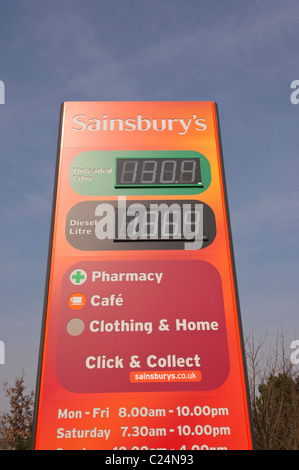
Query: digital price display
point(141, 344)
point(158, 172)
point(146, 225)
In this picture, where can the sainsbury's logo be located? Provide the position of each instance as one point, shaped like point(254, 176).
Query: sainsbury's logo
point(138, 123)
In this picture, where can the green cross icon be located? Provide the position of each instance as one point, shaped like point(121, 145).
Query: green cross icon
point(78, 276)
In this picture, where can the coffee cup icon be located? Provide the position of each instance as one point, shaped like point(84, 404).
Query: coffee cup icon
point(76, 301)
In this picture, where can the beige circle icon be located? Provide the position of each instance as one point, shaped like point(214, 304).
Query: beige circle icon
point(75, 327)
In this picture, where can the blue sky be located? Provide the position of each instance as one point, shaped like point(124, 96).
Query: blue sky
point(243, 55)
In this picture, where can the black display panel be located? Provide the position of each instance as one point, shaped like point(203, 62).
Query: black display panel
point(157, 172)
point(168, 222)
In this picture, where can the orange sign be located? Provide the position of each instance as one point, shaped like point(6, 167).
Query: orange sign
point(141, 345)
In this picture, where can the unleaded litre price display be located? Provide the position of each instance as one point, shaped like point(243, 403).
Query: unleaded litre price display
point(158, 172)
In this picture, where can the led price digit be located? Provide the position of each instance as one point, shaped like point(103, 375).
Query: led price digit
point(159, 172)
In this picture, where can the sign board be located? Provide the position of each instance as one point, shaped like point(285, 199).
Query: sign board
point(141, 340)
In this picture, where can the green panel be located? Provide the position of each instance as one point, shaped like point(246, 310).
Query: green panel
point(93, 173)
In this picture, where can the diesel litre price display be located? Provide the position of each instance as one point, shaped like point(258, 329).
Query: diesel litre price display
point(141, 342)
